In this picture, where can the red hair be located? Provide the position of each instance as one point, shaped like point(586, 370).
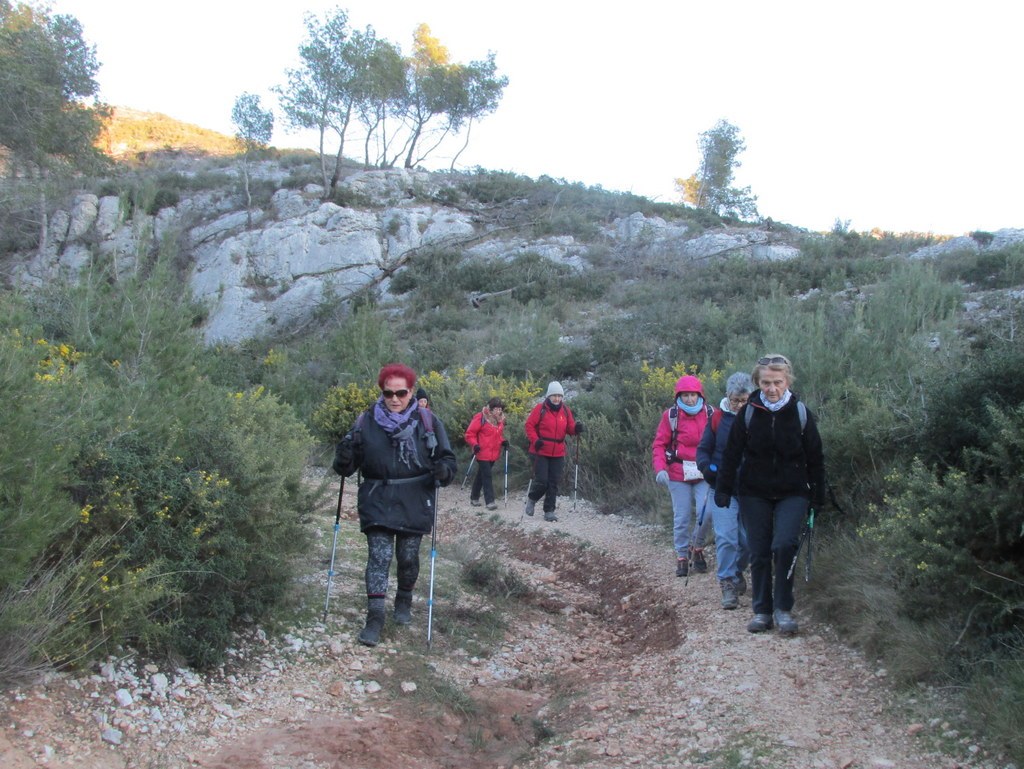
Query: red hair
point(399, 370)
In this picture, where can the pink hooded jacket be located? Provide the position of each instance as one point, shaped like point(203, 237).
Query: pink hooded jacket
point(689, 430)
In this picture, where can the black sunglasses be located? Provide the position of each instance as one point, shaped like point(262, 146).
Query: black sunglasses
point(772, 360)
point(394, 393)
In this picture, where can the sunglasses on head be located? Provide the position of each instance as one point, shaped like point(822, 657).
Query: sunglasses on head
point(772, 360)
point(394, 393)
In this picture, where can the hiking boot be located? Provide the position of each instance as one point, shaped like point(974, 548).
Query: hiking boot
point(682, 567)
point(529, 506)
point(699, 564)
point(785, 622)
point(370, 634)
point(759, 623)
point(474, 502)
point(550, 516)
point(492, 506)
point(403, 607)
point(729, 599)
point(741, 584)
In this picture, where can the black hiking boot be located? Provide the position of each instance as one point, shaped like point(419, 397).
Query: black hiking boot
point(550, 516)
point(370, 634)
point(682, 567)
point(529, 506)
point(741, 584)
point(699, 564)
point(403, 607)
point(760, 623)
point(785, 623)
point(729, 599)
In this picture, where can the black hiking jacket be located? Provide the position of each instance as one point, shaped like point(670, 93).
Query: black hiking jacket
point(392, 495)
point(774, 459)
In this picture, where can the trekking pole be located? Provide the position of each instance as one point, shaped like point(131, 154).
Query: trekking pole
point(576, 478)
point(468, 471)
point(810, 548)
point(703, 511)
point(433, 557)
point(529, 486)
point(808, 532)
point(334, 547)
point(506, 477)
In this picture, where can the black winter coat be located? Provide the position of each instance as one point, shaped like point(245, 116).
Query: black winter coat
point(712, 445)
point(383, 501)
point(773, 459)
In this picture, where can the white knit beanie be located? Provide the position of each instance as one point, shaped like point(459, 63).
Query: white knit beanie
point(555, 388)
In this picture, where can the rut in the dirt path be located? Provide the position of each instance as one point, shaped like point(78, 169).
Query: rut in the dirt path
point(601, 588)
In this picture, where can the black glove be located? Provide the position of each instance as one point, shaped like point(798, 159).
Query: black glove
point(442, 473)
point(721, 499)
point(476, 448)
point(710, 476)
point(537, 444)
point(579, 429)
point(504, 444)
point(344, 456)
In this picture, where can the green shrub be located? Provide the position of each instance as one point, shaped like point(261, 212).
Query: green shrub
point(208, 525)
point(37, 380)
point(490, 576)
point(959, 413)
point(952, 540)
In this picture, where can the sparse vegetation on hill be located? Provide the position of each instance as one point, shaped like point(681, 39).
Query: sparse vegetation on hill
point(128, 132)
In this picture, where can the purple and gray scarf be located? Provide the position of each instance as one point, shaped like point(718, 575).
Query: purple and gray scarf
point(400, 426)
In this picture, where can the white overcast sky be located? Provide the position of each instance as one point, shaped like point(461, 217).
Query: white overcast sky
point(902, 115)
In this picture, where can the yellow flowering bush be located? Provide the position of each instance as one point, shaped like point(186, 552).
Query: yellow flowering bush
point(338, 410)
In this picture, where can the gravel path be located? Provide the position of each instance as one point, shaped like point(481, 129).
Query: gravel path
point(610, 661)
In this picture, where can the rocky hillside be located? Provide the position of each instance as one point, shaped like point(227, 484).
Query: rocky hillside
point(270, 269)
point(300, 252)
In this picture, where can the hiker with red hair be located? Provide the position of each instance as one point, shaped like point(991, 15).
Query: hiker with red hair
point(403, 453)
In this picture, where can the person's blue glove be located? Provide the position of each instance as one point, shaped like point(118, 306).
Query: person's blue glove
point(538, 444)
point(662, 477)
point(722, 499)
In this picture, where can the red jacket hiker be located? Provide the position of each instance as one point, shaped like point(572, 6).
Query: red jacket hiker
point(550, 425)
point(487, 432)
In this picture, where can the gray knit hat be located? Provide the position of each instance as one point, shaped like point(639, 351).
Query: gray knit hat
point(739, 383)
point(555, 388)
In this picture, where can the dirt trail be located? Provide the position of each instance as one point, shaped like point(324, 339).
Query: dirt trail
point(612, 661)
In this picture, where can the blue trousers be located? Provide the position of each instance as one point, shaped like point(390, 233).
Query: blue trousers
point(687, 503)
point(731, 551)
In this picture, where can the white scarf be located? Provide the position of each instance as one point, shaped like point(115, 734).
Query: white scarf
point(779, 404)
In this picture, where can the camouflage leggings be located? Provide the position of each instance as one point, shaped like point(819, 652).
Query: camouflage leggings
point(382, 545)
